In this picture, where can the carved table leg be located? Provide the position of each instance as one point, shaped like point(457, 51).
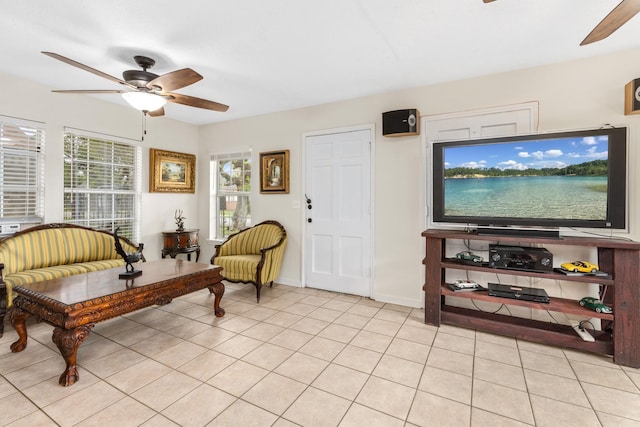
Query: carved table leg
point(18, 319)
point(217, 289)
point(68, 341)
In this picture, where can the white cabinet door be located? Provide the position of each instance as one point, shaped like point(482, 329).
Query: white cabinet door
point(519, 119)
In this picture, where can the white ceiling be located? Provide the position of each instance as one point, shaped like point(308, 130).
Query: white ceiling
point(262, 56)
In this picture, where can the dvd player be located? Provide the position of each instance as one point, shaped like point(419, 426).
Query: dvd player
point(518, 292)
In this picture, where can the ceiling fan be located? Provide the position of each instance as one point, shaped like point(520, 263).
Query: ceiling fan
point(146, 91)
point(624, 11)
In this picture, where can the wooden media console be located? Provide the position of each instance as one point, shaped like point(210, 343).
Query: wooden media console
point(620, 334)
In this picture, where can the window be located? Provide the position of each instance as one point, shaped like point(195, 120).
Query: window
point(230, 204)
point(21, 171)
point(102, 187)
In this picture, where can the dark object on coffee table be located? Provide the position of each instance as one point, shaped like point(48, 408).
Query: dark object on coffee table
point(129, 258)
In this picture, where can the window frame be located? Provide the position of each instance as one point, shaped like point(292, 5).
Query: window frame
point(27, 153)
point(91, 214)
point(215, 193)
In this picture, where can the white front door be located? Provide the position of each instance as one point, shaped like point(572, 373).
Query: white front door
point(338, 212)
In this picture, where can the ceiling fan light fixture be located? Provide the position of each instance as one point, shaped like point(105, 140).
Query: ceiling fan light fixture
point(144, 101)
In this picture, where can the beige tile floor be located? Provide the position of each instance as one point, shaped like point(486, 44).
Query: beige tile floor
point(311, 358)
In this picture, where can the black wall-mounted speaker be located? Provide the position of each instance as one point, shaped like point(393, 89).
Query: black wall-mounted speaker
point(401, 122)
point(632, 97)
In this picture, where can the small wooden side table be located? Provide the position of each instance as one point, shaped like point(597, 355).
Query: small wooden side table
point(181, 242)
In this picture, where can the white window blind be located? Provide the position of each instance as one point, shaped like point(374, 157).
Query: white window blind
point(230, 201)
point(21, 171)
point(102, 183)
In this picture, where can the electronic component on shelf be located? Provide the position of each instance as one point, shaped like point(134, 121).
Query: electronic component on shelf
point(518, 292)
point(582, 332)
point(520, 258)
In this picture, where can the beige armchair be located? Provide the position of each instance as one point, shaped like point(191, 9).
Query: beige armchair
point(253, 255)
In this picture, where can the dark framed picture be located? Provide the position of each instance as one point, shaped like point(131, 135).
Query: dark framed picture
point(274, 172)
point(171, 172)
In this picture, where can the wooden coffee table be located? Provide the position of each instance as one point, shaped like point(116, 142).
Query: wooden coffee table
point(74, 304)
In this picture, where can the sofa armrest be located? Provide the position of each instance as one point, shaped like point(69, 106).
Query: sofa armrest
point(140, 248)
point(3, 301)
point(216, 251)
point(272, 260)
point(3, 286)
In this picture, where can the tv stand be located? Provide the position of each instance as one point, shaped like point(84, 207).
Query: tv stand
point(520, 232)
point(620, 335)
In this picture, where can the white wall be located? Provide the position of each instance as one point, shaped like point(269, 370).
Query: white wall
point(581, 94)
point(30, 101)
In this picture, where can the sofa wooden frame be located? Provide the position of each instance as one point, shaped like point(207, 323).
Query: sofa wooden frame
point(3, 286)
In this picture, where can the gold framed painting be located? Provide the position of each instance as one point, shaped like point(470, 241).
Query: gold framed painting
point(171, 172)
point(274, 172)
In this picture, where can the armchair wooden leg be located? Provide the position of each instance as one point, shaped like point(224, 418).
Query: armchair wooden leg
point(258, 289)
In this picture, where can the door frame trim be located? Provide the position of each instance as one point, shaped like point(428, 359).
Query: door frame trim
point(372, 132)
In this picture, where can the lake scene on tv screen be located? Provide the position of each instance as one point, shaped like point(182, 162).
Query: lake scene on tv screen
point(549, 179)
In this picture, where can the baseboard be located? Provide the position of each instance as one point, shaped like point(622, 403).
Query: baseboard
point(391, 299)
point(289, 282)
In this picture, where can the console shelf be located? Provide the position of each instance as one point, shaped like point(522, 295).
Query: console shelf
point(603, 280)
point(560, 305)
point(619, 258)
point(526, 329)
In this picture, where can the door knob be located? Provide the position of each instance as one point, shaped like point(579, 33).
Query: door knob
point(309, 220)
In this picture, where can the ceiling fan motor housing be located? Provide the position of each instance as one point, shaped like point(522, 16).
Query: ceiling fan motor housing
point(138, 78)
point(144, 62)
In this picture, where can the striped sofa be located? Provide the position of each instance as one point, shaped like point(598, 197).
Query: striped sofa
point(253, 255)
point(52, 251)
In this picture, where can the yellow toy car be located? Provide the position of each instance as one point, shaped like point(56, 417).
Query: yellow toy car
point(580, 267)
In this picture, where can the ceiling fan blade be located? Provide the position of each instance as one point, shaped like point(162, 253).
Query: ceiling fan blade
point(89, 91)
point(157, 113)
point(174, 80)
point(192, 101)
point(87, 68)
point(624, 11)
point(488, 1)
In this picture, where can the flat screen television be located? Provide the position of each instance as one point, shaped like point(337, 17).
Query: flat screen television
point(547, 181)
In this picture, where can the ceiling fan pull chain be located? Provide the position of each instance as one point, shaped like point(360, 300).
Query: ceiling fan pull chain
point(144, 125)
